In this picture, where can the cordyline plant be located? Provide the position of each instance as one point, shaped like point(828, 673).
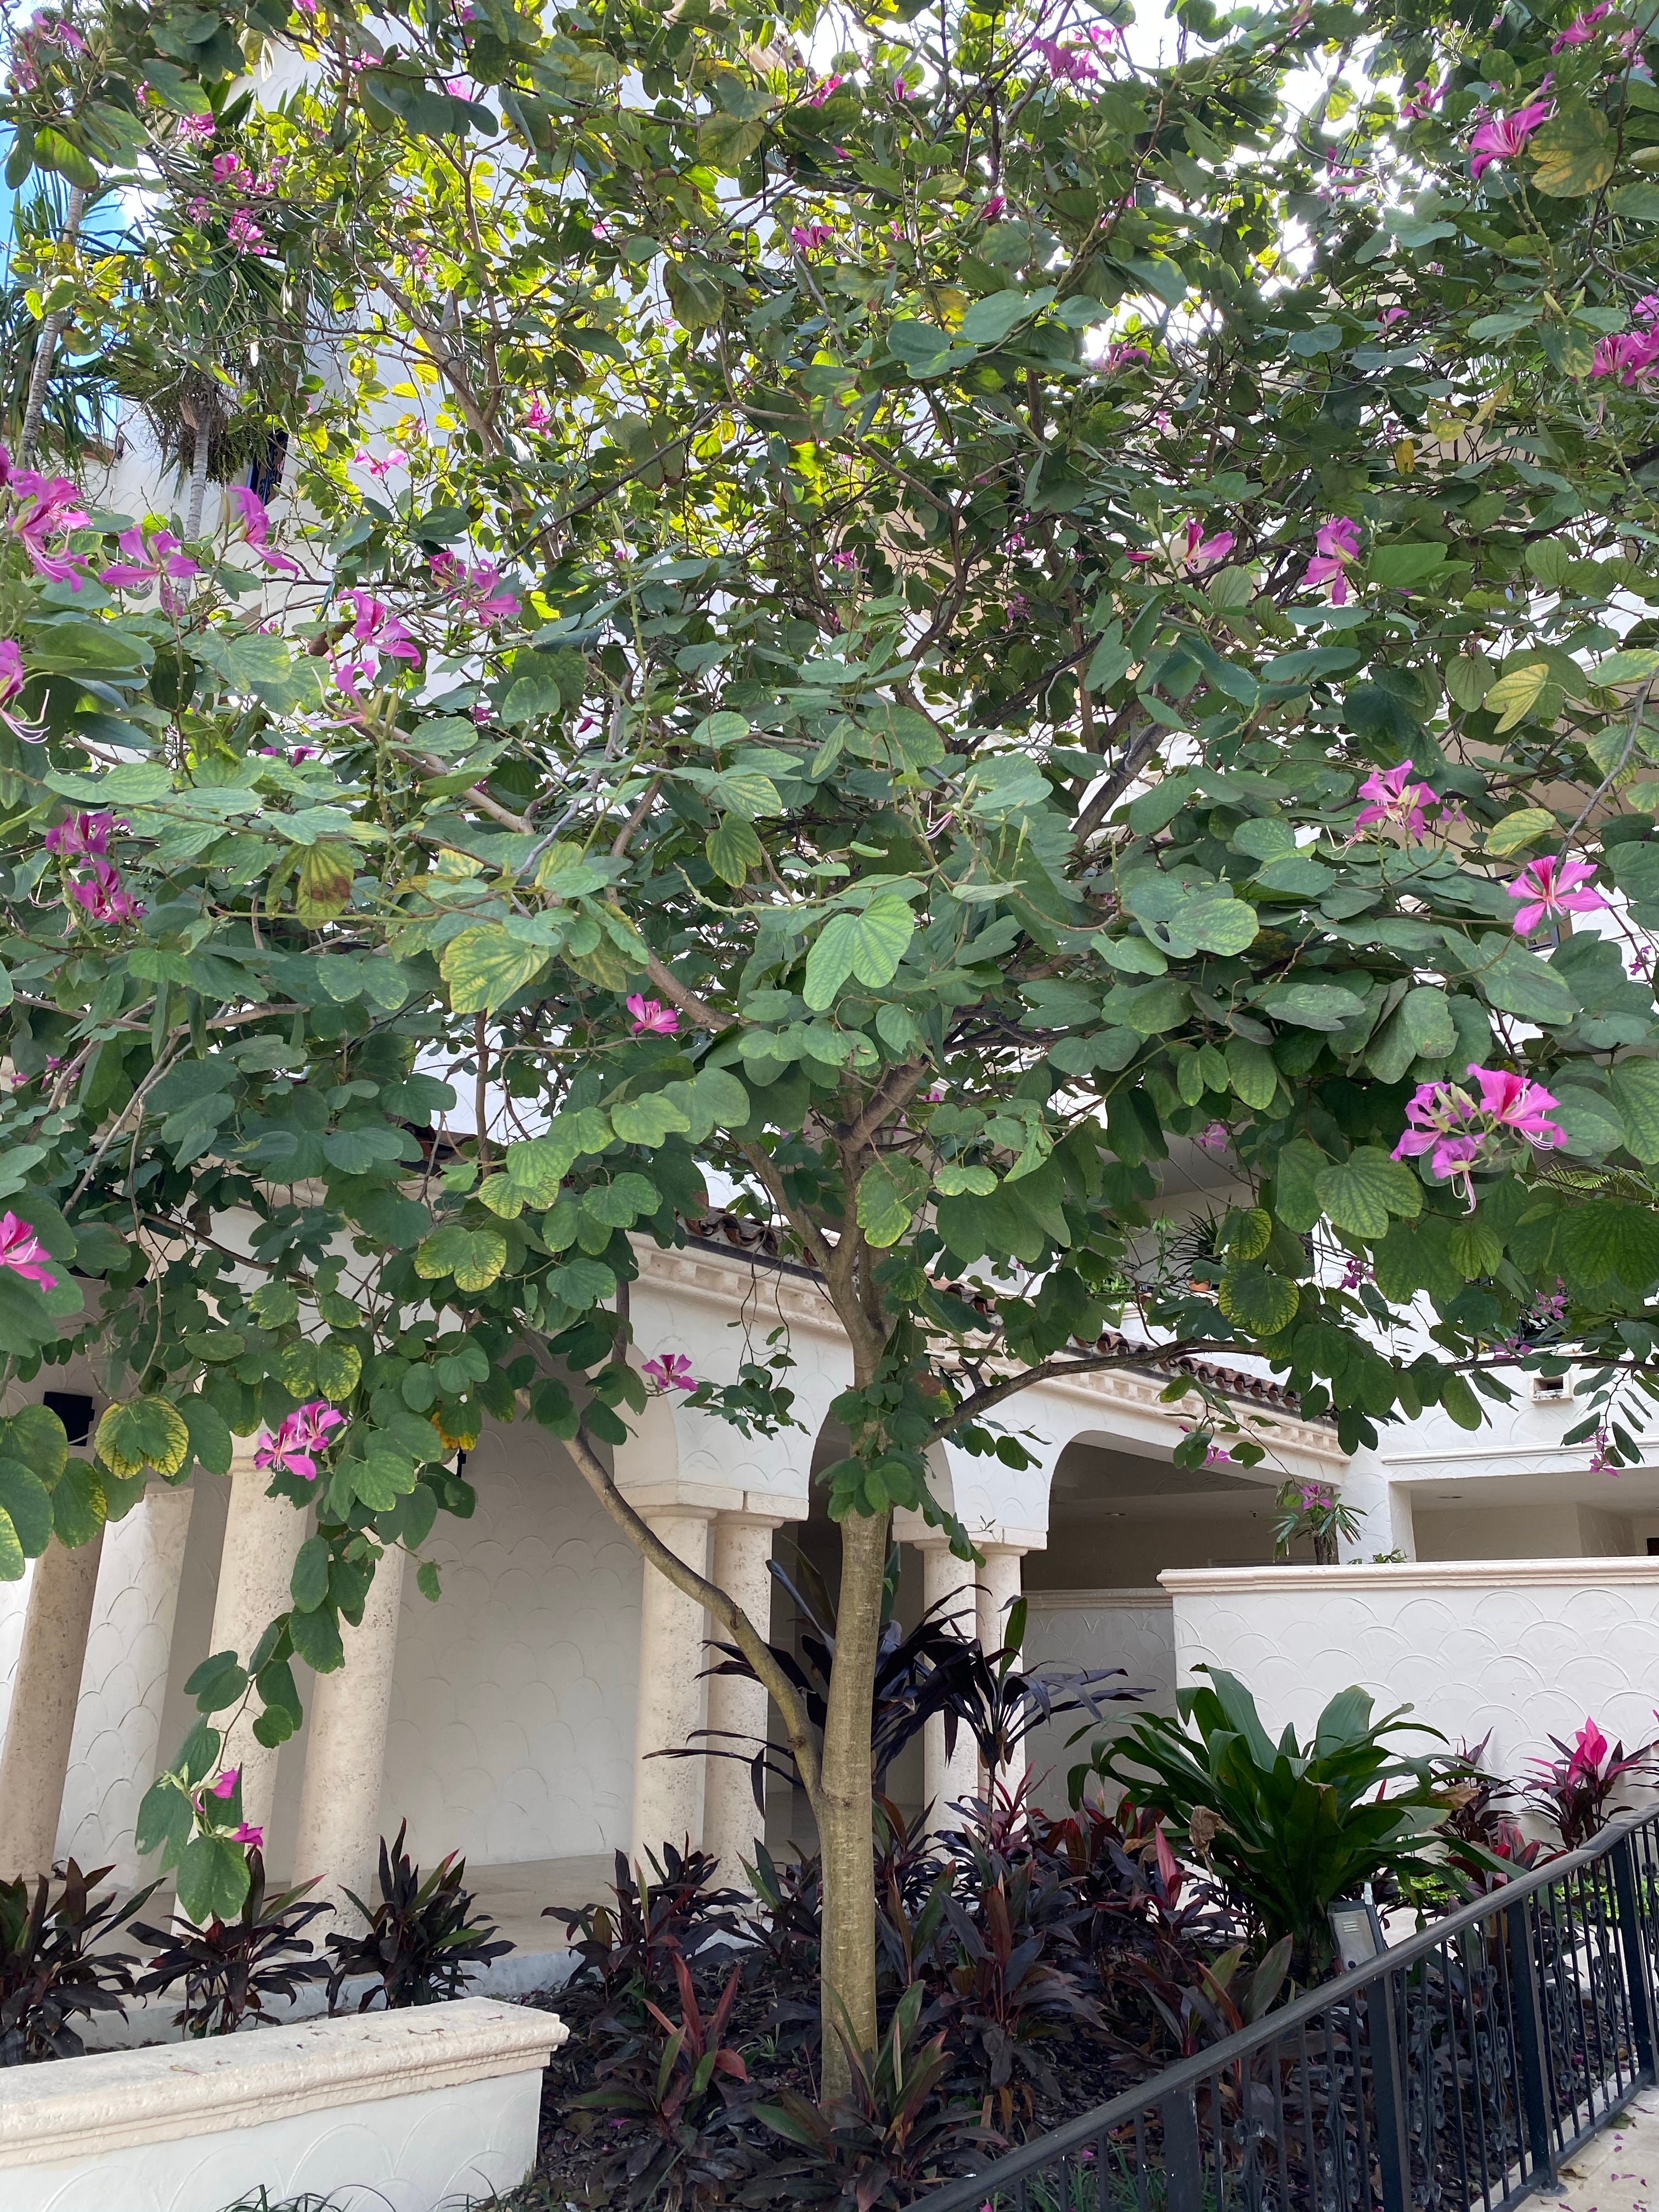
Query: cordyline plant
point(916, 629)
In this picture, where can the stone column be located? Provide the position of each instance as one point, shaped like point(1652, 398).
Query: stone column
point(737, 1707)
point(262, 1536)
point(999, 1586)
point(45, 1691)
point(668, 1792)
point(944, 1575)
point(118, 1726)
point(339, 1837)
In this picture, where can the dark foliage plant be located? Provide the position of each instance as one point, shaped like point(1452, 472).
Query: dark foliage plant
point(1574, 1790)
point(422, 1940)
point(232, 1969)
point(50, 1971)
point(671, 1909)
point(1485, 1844)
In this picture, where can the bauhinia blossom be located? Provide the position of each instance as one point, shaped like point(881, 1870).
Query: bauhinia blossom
point(1627, 354)
point(651, 1018)
point(149, 556)
point(671, 1371)
point(256, 530)
point(1204, 552)
point(299, 1437)
point(1068, 64)
point(1551, 887)
point(46, 507)
point(1336, 544)
point(1124, 354)
point(13, 676)
point(103, 897)
point(480, 590)
point(1581, 28)
point(1394, 798)
point(808, 237)
point(83, 836)
point(1461, 1131)
point(1503, 137)
point(381, 634)
point(21, 1251)
point(242, 234)
point(824, 89)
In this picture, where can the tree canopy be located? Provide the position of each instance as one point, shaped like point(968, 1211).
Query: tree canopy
point(908, 610)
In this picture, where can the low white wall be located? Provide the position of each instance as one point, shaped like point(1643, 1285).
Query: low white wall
point(1133, 1629)
point(1525, 1648)
point(403, 2112)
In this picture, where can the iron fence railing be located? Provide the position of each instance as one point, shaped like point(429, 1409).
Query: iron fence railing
point(1453, 2074)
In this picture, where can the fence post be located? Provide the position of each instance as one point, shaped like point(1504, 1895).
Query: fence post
point(1394, 2168)
point(1183, 2164)
point(1532, 2065)
point(1638, 1971)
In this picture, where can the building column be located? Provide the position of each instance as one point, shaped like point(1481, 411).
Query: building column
point(737, 1707)
point(118, 1727)
point(944, 1575)
point(999, 1586)
point(45, 1691)
point(262, 1537)
point(339, 1837)
point(668, 1792)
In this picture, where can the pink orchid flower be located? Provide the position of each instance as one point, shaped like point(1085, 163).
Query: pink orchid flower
point(299, 1437)
point(1504, 136)
point(21, 1251)
point(247, 1833)
point(151, 557)
point(83, 836)
point(224, 1785)
point(824, 89)
point(1390, 316)
point(1628, 354)
point(1583, 28)
point(1204, 552)
point(480, 590)
point(1394, 799)
point(1336, 545)
point(1067, 64)
point(1425, 98)
point(1214, 1138)
point(46, 507)
point(379, 630)
point(103, 897)
point(994, 209)
point(226, 166)
point(13, 676)
point(256, 530)
point(1551, 887)
point(537, 414)
point(651, 1017)
point(1124, 354)
point(196, 126)
point(242, 234)
point(810, 236)
point(397, 458)
point(1460, 1131)
point(671, 1371)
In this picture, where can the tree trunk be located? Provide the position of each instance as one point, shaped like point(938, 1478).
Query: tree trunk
point(845, 1830)
point(46, 345)
point(198, 471)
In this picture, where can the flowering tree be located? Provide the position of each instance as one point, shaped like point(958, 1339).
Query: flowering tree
point(922, 635)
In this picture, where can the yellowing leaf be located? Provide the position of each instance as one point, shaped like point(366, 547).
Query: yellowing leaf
point(484, 967)
point(1513, 697)
point(1524, 827)
point(144, 1432)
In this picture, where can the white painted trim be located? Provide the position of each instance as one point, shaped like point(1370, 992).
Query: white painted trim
point(115, 2101)
point(1096, 1601)
point(1410, 1574)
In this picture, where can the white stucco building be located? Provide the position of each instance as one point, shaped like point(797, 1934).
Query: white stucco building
point(514, 1719)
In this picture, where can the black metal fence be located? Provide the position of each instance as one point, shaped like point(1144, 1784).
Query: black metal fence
point(1455, 2075)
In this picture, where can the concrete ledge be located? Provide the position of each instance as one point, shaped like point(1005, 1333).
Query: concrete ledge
point(1411, 1574)
point(1131, 1598)
point(113, 2101)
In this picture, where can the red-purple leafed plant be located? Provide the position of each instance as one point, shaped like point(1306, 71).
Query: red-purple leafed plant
point(1573, 1792)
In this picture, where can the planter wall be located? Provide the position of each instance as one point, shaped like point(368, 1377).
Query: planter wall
point(1524, 1648)
point(401, 2112)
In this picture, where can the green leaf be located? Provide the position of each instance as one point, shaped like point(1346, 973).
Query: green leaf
point(650, 1120)
point(1517, 831)
point(990, 320)
point(484, 967)
point(1401, 567)
point(213, 1880)
point(1513, 697)
point(1312, 1006)
point(1362, 1192)
point(1426, 1020)
point(1253, 1297)
point(1635, 203)
point(867, 946)
point(316, 1639)
point(1475, 1248)
point(1604, 1239)
point(1573, 154)
point(80, 1505)
point(473, 1256)
point(889, 1195)
point(1634, 666)
point(957, 1182)
point(734, 849)
point(144, 1432)
point(1460, 1403)
point(1521, 982)
point(1635, 1087)
point(1592, 1124)
point(217, 1683)
point(1252, 1073)
point(1468, 678)
point(308, 1583)
point(1296, 1168)
point(34, 1435)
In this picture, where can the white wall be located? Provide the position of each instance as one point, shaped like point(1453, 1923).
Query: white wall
point(1524, 1648)
point(1133, 1629)
point(512, 1733)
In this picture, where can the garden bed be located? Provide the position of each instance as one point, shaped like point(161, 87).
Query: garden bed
point(417, 2107)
